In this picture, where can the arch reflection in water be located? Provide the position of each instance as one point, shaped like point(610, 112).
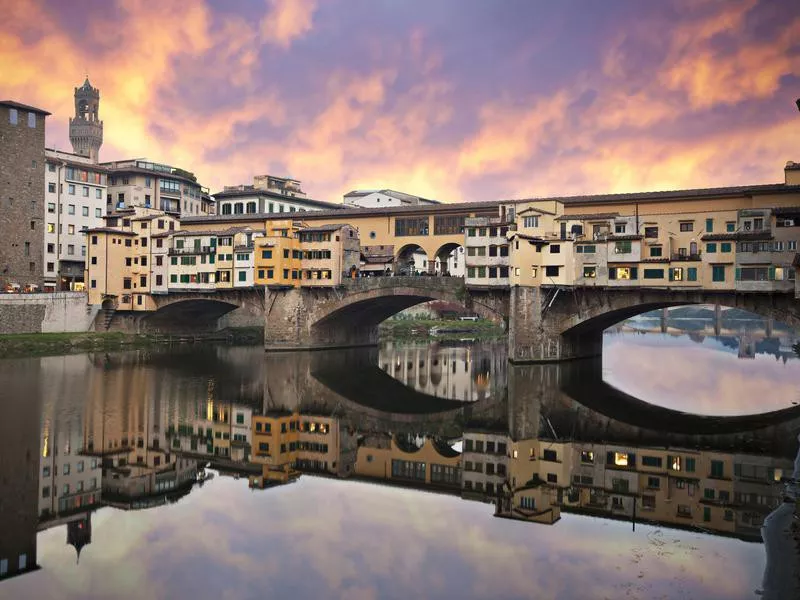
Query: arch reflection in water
point(459, 371)
point(556, 441)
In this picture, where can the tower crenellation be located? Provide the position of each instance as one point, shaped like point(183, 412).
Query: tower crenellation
point(86, 128)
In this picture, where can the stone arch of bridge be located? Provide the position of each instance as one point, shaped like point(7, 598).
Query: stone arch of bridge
point(443, 259)
point(189, 314)
point(591, 314)
point(366, 310)
point(406, 260)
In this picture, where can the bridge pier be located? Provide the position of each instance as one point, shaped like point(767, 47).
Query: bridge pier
point(534, 333)
point(290, 323)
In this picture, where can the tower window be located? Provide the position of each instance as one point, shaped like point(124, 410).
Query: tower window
point(32, 120)
point(12, 116)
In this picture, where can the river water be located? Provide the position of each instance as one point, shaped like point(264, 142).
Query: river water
point(427, 470)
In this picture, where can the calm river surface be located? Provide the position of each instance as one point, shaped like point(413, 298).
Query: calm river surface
point(412, 470)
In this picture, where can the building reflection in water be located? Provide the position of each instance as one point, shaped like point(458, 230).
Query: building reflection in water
point(131, 430)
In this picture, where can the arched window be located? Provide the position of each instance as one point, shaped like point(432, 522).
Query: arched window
point(226, 209)
point(251, 207)
point(238, 208)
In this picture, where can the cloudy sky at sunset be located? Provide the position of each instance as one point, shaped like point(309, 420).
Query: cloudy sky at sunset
point(451, 99)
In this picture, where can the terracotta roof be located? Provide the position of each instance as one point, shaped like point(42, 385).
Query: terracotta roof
point(621, 237)
point(588, 217)
point(525, 236)
point(534, 209)
point(338, 214)
point(163, 234)
point(110, 230)
point(690, 194)
point(323, 228)
point(216, 232)
point(20, 106)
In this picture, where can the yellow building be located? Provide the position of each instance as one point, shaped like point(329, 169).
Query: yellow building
point(119, 258)
point(401, 461)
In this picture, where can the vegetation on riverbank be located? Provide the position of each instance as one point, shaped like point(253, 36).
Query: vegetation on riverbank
point(50, 344)
point(422, 328)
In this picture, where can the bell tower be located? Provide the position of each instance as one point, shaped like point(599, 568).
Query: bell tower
point(85, 128)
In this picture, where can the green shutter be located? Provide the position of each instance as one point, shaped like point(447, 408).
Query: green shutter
point(634, 273)
point(738, 274)
point(771, 275)
point(671, 274)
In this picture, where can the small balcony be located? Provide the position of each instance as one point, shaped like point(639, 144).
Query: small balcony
point(685, 257)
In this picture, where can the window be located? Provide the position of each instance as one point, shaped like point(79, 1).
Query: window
point(12, 116)
point(85, 192)
point(590, 272)
point(651, 461)
point(718, 273)
point(653, 274)
point(620, 459)
point(71, 189)
point(730, 226)
point(674, 463)
point(709, 225)
point(411, 226)
point(70, 209)
point(266, 254)
point(687, 226)
point(623, 273)
point(619, 228)
point(85, 211)
point(691, 274)
point(71, 249)
point(51, 187)
point(71, 229)
point(98, 212)
point(585, 248)
point(725, 247)
point(711, 248)
point(690, 465)
point(551, 271)
point(242, 275)
point(622, 247)
point(530, 221)
point(717, 469)
point(651, 232)
point(550, 455)
point(676, 273)
point(655, 251)
point(653, 483)
point(791, 245)
point(555, 248)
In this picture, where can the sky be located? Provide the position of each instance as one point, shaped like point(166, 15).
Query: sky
point(458, 100)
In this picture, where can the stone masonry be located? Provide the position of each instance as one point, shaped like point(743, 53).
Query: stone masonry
point(22, 165)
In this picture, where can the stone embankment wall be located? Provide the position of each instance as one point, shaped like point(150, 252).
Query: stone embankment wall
point(45, 313)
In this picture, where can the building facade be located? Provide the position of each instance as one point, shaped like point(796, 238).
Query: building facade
point(22, 198)
point(75, 196)
point(267, 195)
point(141, 183)
point(383, 199)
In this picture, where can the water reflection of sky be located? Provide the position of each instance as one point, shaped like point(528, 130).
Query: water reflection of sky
point(702, 377)
point(334, 539)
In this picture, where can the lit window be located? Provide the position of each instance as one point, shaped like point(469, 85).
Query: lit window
point(675, 463)
point(621, 459)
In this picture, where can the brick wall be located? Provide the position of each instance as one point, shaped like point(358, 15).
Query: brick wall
point(22, 166)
